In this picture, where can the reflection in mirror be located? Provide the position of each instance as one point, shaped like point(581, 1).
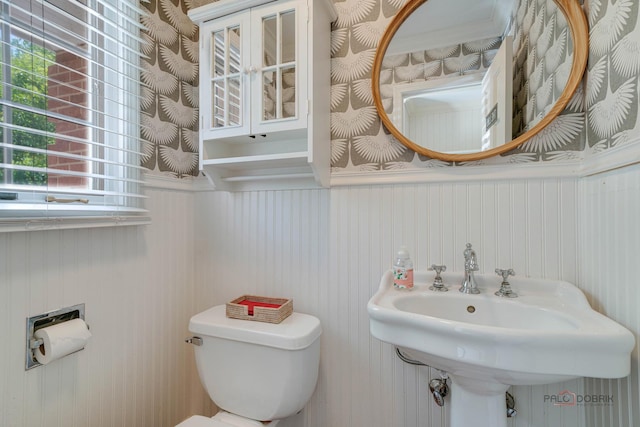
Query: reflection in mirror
point(444, 44)
point(497, 94)
point(225, 77)
point(445, 115)
point(279, 66)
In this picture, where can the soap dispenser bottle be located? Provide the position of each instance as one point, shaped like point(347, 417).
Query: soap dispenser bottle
point(403, 270)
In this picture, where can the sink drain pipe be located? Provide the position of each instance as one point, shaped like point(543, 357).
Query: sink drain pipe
point(405, 359)
point(439, 388)
point(511, 406)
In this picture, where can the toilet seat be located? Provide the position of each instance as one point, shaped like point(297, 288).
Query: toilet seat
point(224, 419)
point(196, 421)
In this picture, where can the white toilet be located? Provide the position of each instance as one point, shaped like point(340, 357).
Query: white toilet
point(257, 373)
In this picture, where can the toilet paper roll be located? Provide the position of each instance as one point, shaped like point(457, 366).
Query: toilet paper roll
point(60, 340)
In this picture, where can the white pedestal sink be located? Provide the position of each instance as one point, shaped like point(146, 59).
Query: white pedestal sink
point(486, 343)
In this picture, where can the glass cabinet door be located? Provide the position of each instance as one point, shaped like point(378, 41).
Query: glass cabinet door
point(225, 81)
point(251, 72)
point(278, 66)
point(278, 79)
point(227, 51)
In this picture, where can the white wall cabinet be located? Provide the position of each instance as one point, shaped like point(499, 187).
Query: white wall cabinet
point(264, 93)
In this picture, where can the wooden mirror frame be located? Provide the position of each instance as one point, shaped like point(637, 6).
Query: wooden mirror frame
point(578, 26)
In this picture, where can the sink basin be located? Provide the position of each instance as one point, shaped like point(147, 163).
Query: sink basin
point(486, 343)
point(483, 311)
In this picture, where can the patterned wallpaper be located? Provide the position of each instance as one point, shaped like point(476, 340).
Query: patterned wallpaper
point(602, 115)
point(611, 93)
point(543, 56)
point(543, 52)
point(170, 93)
point(460, 59)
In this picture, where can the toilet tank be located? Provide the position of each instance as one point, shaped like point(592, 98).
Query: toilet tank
point(262, 371)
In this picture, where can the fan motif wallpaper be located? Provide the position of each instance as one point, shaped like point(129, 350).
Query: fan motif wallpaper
point(611, 92)
point(543, 59)
point(602, 114)
point(170, 93)
point(543, 55)
point(424, 65)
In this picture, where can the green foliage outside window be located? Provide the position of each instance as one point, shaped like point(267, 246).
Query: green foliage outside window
point(29, 68)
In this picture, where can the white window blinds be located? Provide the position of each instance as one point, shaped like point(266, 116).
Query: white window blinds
point(69, 109)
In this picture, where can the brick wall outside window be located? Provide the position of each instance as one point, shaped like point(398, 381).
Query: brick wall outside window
point(67, 88)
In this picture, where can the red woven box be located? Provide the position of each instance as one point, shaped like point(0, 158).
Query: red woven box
point(261, 309)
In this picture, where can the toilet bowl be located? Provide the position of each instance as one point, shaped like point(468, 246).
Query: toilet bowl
point(256, 373)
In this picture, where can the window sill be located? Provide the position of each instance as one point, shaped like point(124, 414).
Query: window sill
point(34, 224)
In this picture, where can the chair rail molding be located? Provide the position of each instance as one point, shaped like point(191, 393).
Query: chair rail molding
point(587, 165)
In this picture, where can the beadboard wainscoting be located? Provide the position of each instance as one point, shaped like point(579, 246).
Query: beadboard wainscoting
point(327, 249)
point(610, 245)
point(137, 284)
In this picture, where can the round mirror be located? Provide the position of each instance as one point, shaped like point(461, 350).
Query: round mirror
point(463, 80)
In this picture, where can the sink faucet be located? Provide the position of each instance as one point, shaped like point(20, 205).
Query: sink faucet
point(469, 285)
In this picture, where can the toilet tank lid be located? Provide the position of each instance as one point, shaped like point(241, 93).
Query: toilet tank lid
point(296, 332)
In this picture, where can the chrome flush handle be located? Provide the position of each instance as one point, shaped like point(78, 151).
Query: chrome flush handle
point(194, 340)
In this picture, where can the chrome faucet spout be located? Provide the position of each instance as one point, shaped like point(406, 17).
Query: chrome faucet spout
point(469, 285)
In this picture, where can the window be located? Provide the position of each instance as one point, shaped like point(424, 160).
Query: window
point(69, 110)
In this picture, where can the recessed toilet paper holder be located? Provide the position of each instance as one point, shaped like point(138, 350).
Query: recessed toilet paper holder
point(44, 320)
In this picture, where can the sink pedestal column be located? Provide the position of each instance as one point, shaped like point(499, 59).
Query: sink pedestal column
point(477, 403)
